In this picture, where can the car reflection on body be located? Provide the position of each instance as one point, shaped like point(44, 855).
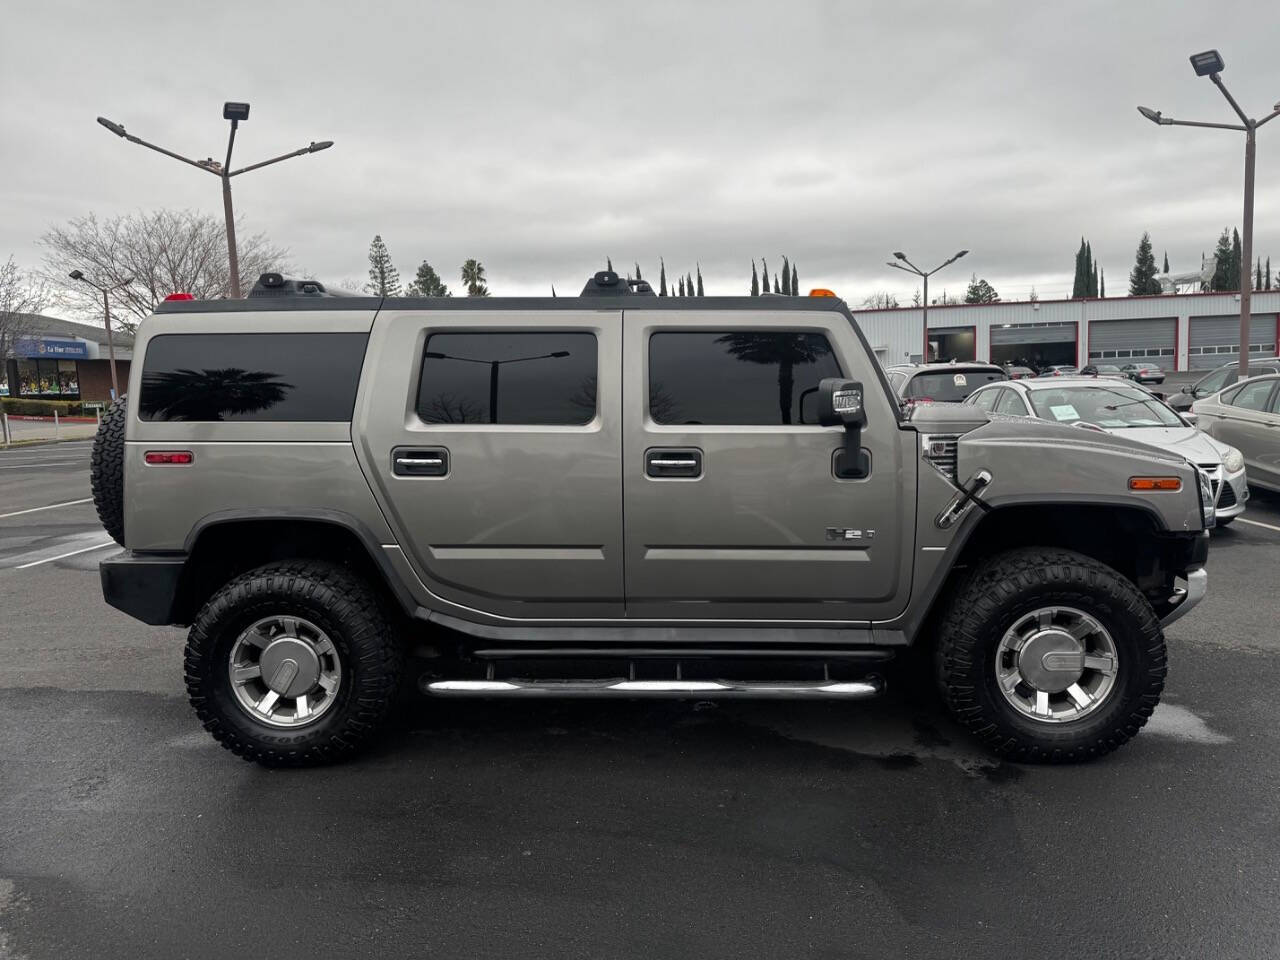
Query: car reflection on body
point(1125, 410)
point(1220, 378)
point(1247, 415)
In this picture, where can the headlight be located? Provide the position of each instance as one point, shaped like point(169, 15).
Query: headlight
point(1208, 509)
point(1233, 460)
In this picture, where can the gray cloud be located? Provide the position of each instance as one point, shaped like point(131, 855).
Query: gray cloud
point(543, 137)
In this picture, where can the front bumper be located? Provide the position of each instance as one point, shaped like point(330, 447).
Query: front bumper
point(145, 586)
point(1233, 492)
point(1186, 597)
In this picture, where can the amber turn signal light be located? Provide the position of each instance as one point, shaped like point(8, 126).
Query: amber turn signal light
point(1155, 483)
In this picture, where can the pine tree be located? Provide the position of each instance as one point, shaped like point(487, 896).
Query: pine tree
point(795, 282)
point(699, 268)
point(1234, 278)
point(662, 277)
point(1142, 279)
point(384, 278)
point(1222, 269)
point(980, 291)
point(755, 280)
point(1166, 262)
point(765, 271)
point(786, 277)
point(427, 283)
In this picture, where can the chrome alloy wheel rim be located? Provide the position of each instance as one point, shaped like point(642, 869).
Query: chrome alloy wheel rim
point(1056, 664)
point(284, 671)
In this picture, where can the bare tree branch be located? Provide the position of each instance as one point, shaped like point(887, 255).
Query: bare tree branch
point(22, 297)
point(162, 251)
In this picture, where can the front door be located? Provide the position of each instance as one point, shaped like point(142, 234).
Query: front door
point(732, 507)
point(493, 441)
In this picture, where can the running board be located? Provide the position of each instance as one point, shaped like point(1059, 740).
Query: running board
point(658, 689)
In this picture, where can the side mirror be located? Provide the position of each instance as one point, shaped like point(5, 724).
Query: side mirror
point(1188, 388)
point(1191, 418)
point(840, 405)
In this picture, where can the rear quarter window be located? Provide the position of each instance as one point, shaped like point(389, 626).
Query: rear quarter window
point(302, 377)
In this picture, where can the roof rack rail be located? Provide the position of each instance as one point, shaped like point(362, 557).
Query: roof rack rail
point(278, 285)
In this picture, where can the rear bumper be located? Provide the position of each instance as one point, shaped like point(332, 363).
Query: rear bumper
point(145, 586)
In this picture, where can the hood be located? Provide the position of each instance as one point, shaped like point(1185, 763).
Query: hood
point(1188, 442)
point(945, 417)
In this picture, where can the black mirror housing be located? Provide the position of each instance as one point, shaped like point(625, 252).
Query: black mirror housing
point(840, 403)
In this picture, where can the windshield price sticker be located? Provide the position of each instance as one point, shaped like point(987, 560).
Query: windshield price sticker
point(1065, 412)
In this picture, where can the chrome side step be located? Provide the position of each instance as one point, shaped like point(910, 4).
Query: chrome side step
point(659, 689)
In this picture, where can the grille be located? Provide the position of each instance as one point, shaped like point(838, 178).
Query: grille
point(942, 450)
point(1228, 498)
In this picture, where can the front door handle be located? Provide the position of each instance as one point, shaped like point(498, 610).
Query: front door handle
point(681, 463)
point(420, 461)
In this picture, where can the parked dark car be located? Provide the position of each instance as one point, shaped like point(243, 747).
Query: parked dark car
point(941, 382)
point(1019, 373)
point(1143, 372)
point(1214, 381)
point(1103, 370)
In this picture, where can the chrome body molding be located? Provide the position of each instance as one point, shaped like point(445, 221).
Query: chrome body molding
point(660, 689)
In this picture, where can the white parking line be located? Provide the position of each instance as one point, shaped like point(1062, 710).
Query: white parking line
point(63, 556)
point(1258, 523)
point(52, 506)
point(43, 463)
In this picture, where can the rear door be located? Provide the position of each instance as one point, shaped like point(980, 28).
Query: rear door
point(1244, 424)
point(732, 507)
point(493, 440)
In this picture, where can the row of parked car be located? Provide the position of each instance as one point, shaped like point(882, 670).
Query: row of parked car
point(1229, 429)
point(1137, 372)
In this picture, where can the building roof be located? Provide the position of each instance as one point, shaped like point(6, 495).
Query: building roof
point(40, 325)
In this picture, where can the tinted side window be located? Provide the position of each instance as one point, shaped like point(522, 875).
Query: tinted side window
point(542, 378)
point(251, 376)
point(740, 377)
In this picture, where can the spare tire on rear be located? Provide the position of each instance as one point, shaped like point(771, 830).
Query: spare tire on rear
point(106, 471)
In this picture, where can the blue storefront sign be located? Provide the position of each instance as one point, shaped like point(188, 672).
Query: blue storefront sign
point(52, 348)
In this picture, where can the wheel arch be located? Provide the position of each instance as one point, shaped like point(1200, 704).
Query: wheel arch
point(225, 544)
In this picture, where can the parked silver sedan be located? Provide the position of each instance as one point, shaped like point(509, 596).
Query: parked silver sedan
point(1247, 415)
point(1128, 410)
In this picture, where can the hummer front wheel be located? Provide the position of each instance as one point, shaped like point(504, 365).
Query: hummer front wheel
point(1047, 655)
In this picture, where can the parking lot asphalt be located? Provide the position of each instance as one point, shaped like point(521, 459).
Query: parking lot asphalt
point(614, 829)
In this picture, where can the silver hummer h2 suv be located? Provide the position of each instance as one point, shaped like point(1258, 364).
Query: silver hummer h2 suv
point(619, 495)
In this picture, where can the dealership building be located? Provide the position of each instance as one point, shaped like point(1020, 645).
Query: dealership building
point(1193, 331)
point(60, 360)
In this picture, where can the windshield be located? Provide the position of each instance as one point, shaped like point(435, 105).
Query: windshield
point(1112, 408)
point(950, 386)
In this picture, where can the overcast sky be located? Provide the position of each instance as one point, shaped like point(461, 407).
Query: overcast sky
point(541, 137)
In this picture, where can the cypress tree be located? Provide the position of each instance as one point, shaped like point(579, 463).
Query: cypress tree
point(681, 286)
point(1142, 279)
point(1090, 272)
point(700, 293)
point(1093, 280)
point(1079, 286)
point(1222, 270)
point(755, 280)
point(1268, 276)
point(765, 271)
point(553, 291)
point(786, 277)
point(1234, 277)
point(638, 277)
point(776, 288)
point(795, 282)
point(1102, 283)
point(1257, 279)
point(662, 278)
point(1166, 262)
point(608, 264)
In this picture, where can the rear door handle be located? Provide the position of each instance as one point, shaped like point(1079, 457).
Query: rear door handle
point(420, 461)
point(680, 463)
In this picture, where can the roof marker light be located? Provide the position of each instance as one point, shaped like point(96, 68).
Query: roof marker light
point(821, 292)
point(179, 296)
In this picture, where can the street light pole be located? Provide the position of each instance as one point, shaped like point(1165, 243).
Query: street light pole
point(106, 319)
point(494, 367)
point(235, 112)
point(923, 275)
point(1211, 64)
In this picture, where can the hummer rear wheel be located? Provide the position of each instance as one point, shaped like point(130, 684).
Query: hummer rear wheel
point(1049, 656)
point(293, 664)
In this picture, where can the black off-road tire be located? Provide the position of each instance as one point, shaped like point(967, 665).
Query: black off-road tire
point(1008, 586)
point(106, 470)
point(347, 610)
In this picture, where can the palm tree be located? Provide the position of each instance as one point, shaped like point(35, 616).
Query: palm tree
point(783, 350)
point(473, 277)
point(209, 395)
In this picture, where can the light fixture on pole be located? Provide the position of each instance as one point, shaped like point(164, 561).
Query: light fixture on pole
point(1210, 64)
point(234, 112)
point(923, 275)
point(106, 292)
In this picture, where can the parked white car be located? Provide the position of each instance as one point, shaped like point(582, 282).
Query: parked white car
point(1248, 413)
point(1125, 410)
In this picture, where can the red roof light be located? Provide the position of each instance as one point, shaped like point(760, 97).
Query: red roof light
point(179, 296)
